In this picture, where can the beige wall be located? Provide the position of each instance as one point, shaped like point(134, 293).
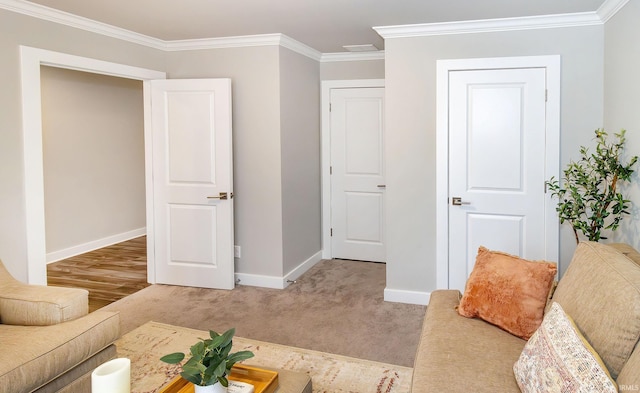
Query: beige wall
point(411, 128)
point(276, 109)
point(622, 102)
point(300, 152)
point(256, 146)
point(93, 147)
point(346, 70)
point(16, 30)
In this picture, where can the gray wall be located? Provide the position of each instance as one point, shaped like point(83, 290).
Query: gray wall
point(300, 152)
point(256, 145)
point(93, 146)
point(15, 30)
point(346, 70)
point(622, 102)
point(411, 128)
point(276, 126)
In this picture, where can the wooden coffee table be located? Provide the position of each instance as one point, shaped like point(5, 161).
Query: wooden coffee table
point(288, 382)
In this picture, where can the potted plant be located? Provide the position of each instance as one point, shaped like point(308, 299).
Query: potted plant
point(210, 362)
point(589, 198)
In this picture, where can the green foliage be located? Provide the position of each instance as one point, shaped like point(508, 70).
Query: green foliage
point(588, 198)
point(210, 360)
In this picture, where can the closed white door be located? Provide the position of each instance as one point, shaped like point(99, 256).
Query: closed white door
point(496, 165)
point(192, 182)
point(358, 174)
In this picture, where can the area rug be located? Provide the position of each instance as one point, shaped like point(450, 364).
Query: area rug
point(329, 373)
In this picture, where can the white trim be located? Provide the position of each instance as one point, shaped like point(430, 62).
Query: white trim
point(79, 22)
point(325, 142)
point(603, 14)
point(609, 8)
point(274, 282)
point(30, 61)
point(244, 41)
point(94, 245)
point(490, 25)
point(408, 297)
point(552, 149)
point(349, 56)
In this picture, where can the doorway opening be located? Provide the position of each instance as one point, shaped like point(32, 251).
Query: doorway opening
point(94, 182)
point(32, 60)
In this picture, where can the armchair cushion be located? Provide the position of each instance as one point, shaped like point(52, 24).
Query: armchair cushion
point(38, 305)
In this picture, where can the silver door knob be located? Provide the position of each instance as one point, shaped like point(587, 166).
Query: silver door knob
point(457, 201)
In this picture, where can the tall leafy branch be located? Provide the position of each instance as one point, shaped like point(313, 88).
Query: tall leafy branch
point(589, 197)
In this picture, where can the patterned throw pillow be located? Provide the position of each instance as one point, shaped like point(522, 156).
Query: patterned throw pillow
point(558, 358)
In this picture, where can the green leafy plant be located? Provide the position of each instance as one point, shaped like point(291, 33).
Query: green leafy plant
point(589, 198)
point(210, 360)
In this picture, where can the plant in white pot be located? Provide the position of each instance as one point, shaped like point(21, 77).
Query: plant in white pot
point(589, 198)
point(210, 362)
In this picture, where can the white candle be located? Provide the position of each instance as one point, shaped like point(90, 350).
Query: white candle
point(113, 376)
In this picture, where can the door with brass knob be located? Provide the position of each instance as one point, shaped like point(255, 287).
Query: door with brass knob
point(193, 183)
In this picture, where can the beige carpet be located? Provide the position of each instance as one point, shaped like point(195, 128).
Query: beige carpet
point(335, 307)
point(329, 373)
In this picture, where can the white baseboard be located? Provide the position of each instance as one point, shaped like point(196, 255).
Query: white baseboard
point(302, 268)
point(275, 282)
point(94, 245)
point(409, 297)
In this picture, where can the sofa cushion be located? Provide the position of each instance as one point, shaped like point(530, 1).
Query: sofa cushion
point(31, 356)
point(557, 358)
point(601, 292)
point(629, 377)
point(508, 291)
point(459, 355)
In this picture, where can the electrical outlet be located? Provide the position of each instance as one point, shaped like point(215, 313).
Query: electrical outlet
point(236, 251)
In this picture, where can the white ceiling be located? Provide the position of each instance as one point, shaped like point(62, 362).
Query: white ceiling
point(325, 25)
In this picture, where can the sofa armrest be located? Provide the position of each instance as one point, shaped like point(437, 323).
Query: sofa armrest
point(39, 305)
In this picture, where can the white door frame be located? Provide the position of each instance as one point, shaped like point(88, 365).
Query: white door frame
point(325, 141)
point(552, 148)
point(30, 61)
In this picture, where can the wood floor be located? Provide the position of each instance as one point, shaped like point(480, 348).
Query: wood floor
point(109, 273)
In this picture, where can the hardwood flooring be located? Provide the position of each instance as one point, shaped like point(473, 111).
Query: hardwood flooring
point(109, 274)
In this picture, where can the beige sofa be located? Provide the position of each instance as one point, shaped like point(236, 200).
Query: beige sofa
point(48, 341)
point(600, 291)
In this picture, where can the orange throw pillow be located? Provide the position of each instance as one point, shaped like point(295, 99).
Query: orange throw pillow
point(508, 291)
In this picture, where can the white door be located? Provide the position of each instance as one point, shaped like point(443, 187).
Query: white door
point(357, 174)
point(192, 173)
point(496, 165)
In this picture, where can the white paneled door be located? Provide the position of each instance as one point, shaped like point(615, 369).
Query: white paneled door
point(496, 165)
point(192, 182)
point(358, 174)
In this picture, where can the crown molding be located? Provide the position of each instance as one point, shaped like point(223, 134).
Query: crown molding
point(71, 20)
point(351, 56)
point(75, 21)
point(244, 41)
point(223, 42)
point(299, 47)
point(490, 25)
point(609, 8)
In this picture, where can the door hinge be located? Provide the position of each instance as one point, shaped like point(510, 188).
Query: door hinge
point(329, 107)
point(331, 170)
point(545, 187)
point(331, 231)
point(546, 95)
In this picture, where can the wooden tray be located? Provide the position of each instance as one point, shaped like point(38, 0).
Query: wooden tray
point(263, 381)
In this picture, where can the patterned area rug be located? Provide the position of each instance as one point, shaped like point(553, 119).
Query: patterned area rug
point(329, 373)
